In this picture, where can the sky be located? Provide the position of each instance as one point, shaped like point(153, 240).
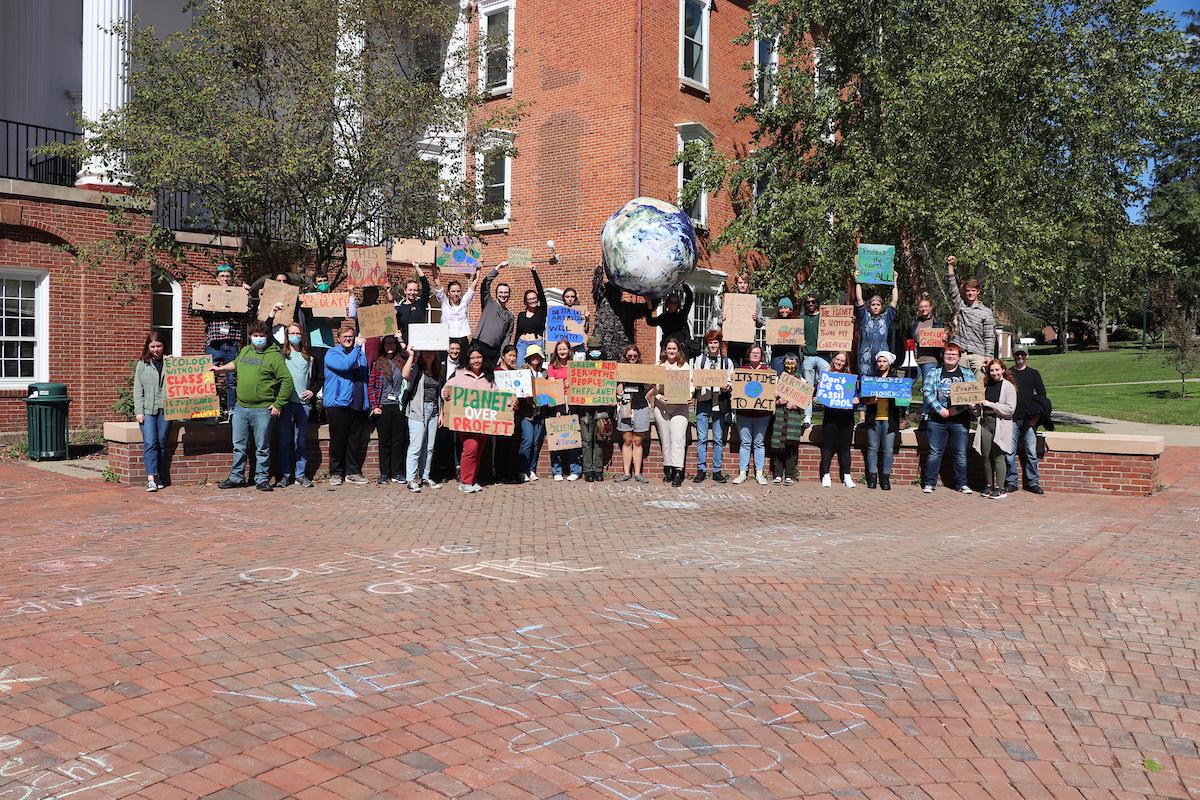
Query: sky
point(1175, 7)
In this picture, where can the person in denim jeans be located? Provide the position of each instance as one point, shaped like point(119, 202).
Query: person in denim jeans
point(927, 357)
point(292, 434)
point(422, 402)
point(223, 336)
point(946, 425)
point(529, 417)
point(148, 400)
point(711, 410)
point(883, 421)
point(812, 365)
point(562, 461)
point(752, 426)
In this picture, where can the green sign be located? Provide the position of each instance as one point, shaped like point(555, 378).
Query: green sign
point(876, 263)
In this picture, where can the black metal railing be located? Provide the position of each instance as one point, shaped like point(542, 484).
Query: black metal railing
point(20, 160)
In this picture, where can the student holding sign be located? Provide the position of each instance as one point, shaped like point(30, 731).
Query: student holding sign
point(529, 420)
point(737, 350)
point(787, 431)
point(424, 378)
point(994, 436)
point(633, 420)
point(837, 429)
point(875, 325)
point(224, 335)
point(148, 397)
point(752, 427)
point(671, 417)
point(673, 320)
point(813, 365)
point(785, 310)
point(562, 461)
point(473, 377)
point(883, 423)
point(413, 307)
point(712, 409)
point(947, 425)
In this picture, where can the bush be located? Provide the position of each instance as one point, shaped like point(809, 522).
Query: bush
point(124, 403)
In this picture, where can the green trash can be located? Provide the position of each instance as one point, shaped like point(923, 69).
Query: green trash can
point(46, 414)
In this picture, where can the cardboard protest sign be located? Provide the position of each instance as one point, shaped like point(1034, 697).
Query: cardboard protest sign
point(484, 411)
point(892, 388)
point(836, 330)
point(415, 251)
point(677, 385)
point(231, 299)
point(836, 390)
point(549, 392)
point(592, 383)
point(278, 292)
point(966, 393)
point(191, 388)
point(326, 304)
point(710, 378)
point(785, 331)
point(640, 373)
point(429, 336)
point(876, 263)
point(366, 266)
point(520, 257)
point(458, 254)
point(565, 323)
point(562, 433)
point(753, 390)
point(931, 337)
point(523, 346)
point(790, 389)
point(739, 310)
point(517, 382)
point(378, 320)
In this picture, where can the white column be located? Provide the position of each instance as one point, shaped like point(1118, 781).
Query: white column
point(104, 80)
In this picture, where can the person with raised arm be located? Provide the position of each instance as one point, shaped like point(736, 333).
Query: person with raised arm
point(455, 305)
point(413, 306)
point(531, 321)
point(974, 323)
point(496, 323)
point(875, 322)
point(224, 335)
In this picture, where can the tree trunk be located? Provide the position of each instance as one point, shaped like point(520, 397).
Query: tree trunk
point(1102, 333)
point(1062, 326)
point(914, 262)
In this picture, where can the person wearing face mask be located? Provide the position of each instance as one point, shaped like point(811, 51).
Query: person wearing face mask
point(946, 425)
point(496, 323)
point(148, 399)
point(787, 430)
point(455, 305)
point(413, 306)
point(224, 335)
point(320, 333)
point(385, 389)
point(883, 423)
point(592, 419)
point(994, 436)
point(264, 384)
point(974, 323)
point(291, 444)
point(531, 322)
point(346, 377)
point(875, 325)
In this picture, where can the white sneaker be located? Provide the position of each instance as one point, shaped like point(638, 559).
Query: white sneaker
point(465, 488)
point(741, 478)
point(762, 480)
point(475, 487)
point(558, 477)
point(825, 481)
point(572, 477)
point(413, 486)
point(533, 476)
point(524, 479)
point(847, 482)
point(151, 486)
point(927, 490)
point(778, 479)
point(431, 484)
point(965, 489)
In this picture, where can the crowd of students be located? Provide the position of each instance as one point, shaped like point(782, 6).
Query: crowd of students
point(274, 381)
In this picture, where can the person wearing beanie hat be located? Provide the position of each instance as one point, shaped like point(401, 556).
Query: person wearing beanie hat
point(529, 419)
point(786, 310)
point(883, 422)
point(786, 302)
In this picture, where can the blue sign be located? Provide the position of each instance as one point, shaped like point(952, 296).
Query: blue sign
point(836, 390)
point(893, 388)
point(876, 263)
point(523, 345)
point(563, 322)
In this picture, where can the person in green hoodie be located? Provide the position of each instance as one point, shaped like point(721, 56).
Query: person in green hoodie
point(812, 364)
point(264, 385)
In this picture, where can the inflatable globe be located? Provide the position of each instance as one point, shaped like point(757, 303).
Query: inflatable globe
point(649, 247)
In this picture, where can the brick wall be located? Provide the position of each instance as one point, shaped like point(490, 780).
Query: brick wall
point(205, 455)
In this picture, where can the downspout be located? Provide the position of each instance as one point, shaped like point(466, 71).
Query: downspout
point(637, 110)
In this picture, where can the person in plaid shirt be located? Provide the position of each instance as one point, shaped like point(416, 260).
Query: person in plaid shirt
point(224, 335)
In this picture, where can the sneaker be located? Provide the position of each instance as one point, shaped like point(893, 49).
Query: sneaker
point(263, 487)
point(357, 480)
point(558, 477)
point(788, 481)
point(398, 479)
point(465, 488)
point(384, 480)
point(524, 479)
point(700, 476)
point(151, 486)
point(999, 494)
point(741, 478)
point(431, 484)
point(640, 478)
point(336, 480)
point(965, 489)
point(1035, 489)
point(283, 483)
point(413, 486)
point(475, 487)
point(574, 476)
point(158, 482)
point(847, 481)
point(622, 478)
point(533, 476)
point(777, 480)
point(826, 481)
point(305, 482)
point(762, 480)
point(927, 489)
point(719, 476)
point(1010, 487)
point(230, 484)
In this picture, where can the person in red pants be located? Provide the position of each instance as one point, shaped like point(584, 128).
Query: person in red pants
point(475, 376)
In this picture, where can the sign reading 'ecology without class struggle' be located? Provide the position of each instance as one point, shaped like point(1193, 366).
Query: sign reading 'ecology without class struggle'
point(190, 386)
point(483, 411)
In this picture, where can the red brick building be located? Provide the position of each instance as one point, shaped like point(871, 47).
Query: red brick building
point(608, 99)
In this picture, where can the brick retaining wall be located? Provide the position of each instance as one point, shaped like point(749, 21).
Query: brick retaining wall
point(201, 452)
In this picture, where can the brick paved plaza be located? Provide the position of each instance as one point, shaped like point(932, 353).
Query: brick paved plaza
point(597, 641)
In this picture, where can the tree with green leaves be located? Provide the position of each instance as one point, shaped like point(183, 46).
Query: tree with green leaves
point(301, 124)
point(997, 131)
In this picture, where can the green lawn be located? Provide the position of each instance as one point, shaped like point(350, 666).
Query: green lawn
point(1090, 366)
point(1159, 404)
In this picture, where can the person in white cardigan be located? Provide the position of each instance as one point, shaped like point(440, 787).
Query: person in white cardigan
point(671, 419)
point(994, 436)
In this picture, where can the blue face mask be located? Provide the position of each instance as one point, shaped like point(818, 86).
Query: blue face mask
point(322, 286)
point(258, 341)
point(294, 339)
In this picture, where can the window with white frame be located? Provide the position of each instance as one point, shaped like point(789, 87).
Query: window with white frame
point(766, 62)
point(166, 301)
point(693, 43)
point(493, 170)
point(24, 327)
point(706, 286)
point(496, 19)
point(692, 132)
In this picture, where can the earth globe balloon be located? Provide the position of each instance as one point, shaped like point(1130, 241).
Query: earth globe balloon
point(649, 247)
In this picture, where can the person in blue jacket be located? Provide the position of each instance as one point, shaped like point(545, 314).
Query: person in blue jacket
point(345, 399)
